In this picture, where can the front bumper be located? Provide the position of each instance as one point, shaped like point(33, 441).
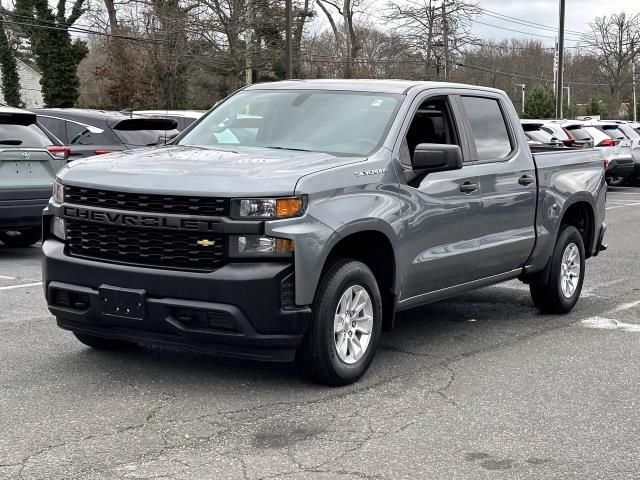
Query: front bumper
point(234, 311)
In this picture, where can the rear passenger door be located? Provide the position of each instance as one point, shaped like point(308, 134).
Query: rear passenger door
point(506, 232)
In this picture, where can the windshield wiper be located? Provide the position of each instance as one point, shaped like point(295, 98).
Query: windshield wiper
point(287, 148)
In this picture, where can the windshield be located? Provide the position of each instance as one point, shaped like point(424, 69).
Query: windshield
point(336, 122)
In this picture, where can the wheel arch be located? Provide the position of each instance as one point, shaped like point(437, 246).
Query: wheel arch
point(375, 247)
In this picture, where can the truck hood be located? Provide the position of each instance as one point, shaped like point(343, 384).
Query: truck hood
point(192, 171)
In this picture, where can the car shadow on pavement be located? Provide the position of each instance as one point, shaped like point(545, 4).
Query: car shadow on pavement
point(435, 332)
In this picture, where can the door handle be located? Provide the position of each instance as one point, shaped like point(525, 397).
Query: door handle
point(525, 180)
point(468, 187)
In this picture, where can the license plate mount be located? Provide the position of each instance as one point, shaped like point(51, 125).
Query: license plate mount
point(122, 302)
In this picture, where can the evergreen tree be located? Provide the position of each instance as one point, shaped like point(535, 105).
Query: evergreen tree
point(56, 55)
point(596, 106)
point(540, 103)
point(9, 69)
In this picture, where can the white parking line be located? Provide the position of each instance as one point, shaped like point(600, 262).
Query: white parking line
point(627, 306)
point(4, 277)
point(602, 323)
point(622, 206)
point(24, 285)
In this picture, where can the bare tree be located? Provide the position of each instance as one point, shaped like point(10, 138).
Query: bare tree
point(615, 41)
point(437, 30)
point(346, 39)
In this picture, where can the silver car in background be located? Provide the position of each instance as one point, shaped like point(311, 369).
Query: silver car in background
point(607, 134)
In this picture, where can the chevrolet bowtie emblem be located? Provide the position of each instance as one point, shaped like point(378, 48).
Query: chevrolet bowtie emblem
point(206, 243)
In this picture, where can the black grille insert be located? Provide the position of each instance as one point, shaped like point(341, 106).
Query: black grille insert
point(206, 206)
point(148, 247)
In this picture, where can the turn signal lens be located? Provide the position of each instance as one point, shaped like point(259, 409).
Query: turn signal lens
point(284, 246)
point(288, 207)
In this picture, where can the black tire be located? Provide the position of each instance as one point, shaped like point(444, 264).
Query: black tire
point(616, 181)
point(101, 343)
point(21, 238)
point(318, 355)
point(549, 298)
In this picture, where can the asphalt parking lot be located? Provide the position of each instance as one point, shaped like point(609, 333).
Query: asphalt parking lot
point(480, 386)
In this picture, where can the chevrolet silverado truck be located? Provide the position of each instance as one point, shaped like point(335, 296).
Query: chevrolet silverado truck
point(295, 219)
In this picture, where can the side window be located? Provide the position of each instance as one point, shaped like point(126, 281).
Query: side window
point(55, 126)
point(488, 128)
point(432, 123)
point(74, 132)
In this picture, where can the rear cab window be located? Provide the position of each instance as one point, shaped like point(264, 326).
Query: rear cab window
point(489, 130)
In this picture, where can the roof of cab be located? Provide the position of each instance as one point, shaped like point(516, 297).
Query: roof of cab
point(361, 85)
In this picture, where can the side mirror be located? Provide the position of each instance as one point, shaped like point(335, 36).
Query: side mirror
point(436, 157)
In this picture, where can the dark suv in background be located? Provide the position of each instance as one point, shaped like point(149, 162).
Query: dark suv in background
point(94, 132)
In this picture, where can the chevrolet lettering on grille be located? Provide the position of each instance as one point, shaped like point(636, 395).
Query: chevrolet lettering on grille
point(136, 220)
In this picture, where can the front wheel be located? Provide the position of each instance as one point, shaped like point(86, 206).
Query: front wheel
point(346, 325)
point(562, 290)
point(21, 238)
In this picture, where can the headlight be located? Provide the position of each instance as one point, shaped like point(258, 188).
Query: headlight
point(259, 246)
point(58, 228)
point(267, 208)
point(58, 192)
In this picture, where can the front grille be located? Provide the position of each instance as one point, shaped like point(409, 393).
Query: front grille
point(206, 206)
point(148, 247)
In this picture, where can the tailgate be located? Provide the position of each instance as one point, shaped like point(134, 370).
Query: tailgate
point(27, 168)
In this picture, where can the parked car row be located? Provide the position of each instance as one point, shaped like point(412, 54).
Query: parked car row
point(35, 144)
point(619, 142)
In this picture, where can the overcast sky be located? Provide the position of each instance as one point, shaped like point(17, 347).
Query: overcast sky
point(578, 15)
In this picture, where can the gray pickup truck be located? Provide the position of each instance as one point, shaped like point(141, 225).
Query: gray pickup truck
point(296, 218)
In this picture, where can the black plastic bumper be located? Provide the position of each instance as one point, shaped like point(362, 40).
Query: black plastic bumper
point(235, 311)
point(21, 209)
point(618, 169)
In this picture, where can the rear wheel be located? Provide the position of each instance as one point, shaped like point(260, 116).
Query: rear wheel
point(101, 343)
point(562, 290)
point(346, 325)
point(21, 238)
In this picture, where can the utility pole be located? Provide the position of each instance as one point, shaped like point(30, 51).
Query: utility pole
point(289, 40)
point(522, 87)
point(248, 68)
point(560, 77)
point(633, 77)
point(445, 39)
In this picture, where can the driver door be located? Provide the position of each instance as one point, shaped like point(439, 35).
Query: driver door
point(442, 223)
